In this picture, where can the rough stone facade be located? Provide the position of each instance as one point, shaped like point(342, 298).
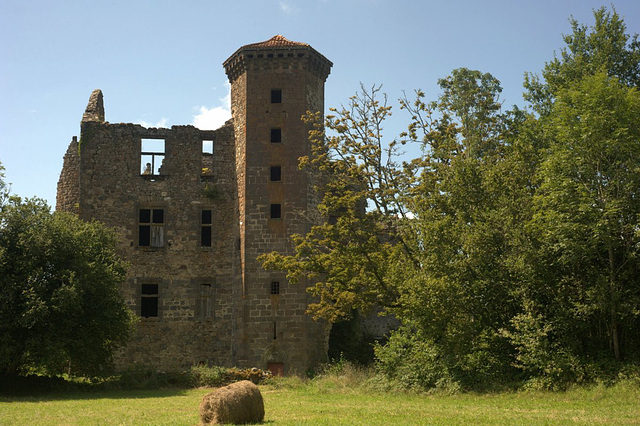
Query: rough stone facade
point(193, 219)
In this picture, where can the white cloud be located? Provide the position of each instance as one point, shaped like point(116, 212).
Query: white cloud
point(162, 123)
point(213, 118)
point(288, 7)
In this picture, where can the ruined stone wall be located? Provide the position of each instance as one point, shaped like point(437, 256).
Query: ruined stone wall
point(67, 197)
point(113, 190)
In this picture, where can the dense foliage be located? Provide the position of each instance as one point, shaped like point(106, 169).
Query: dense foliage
point(60, 307)
point(510, 248)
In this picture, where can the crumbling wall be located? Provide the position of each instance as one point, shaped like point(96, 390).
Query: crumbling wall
point(67, 197)
point(113, 189)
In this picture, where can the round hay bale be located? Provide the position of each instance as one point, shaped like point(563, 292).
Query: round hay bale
point(238, 403)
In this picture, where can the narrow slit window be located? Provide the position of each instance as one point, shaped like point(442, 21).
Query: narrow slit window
point(152, 157)
point(275, 173)
point(276, 96)
point(149, 300)
point(206, 302)
point(205, 229)
point(151, 227)
point(276, 211)
point(276, 135)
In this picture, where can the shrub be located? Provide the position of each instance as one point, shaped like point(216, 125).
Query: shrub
point(414, 362)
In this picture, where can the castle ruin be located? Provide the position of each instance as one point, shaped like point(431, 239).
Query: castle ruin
point(194, 209)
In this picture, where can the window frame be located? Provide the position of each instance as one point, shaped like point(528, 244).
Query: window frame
point(275, 208)
point(155, 170)
point(276, 96)
point(206, 228)
point(276, 135)
point(151, 231)
point(275, 171)
point(149, 300)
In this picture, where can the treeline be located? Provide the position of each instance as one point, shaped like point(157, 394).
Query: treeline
point(510, 248)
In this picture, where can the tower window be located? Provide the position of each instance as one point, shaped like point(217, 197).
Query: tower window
point(205, 229)
point(276, 135)
point(276, 96)
point(276, 211)
point(151, 157)
point(275, 287)
point(151, 227)
point(275, 173)
point(149, 300)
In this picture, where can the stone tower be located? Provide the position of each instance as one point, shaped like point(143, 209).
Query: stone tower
point(274, 83)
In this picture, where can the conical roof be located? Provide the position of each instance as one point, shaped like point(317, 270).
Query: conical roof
point(275, 41)
point(279, 48)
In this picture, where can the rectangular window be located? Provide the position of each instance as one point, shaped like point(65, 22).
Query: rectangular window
point(275, 173)
point(149, 300)
point(151, 228)
point(205, 229)
point(206, 302)
point(276, 211)
point(276, 135)
point(275, 287)
point(151, 157)
point(276, 96)
point(207, 158)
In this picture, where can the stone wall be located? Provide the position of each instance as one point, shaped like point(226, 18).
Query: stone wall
point(113, 190)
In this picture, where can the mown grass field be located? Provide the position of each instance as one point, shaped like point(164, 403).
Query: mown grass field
point(332, 402)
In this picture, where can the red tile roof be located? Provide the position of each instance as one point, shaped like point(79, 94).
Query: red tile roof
point(275, 41)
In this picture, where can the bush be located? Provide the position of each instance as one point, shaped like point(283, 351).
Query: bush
point(214, 376)
point(414, 362)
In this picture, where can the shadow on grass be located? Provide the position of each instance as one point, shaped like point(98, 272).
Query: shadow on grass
point(40, 388)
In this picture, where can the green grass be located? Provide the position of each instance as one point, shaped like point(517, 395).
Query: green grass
point(333, 401)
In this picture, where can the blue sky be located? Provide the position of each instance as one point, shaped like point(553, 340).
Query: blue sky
point(159, 63)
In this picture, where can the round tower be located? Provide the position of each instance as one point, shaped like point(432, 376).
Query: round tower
point(273, 84)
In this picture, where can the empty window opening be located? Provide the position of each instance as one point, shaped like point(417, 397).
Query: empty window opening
point(149, 300)
point(151, 228)
point(151, 157)
point(276, 135)
point(205, 229)
point(275, 331)
point(276, 211)
point(206, 302)
point(275, 287)
point(275, 173)
point(276, 96)
point(207, 157)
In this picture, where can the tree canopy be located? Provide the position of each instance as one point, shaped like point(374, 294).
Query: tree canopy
point(60, 306)
point(508, 249)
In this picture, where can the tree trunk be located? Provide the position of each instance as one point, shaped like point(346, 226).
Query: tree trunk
point(613, 294)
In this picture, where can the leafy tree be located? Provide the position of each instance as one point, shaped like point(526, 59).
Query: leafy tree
point(603, 47)
point(587, 211)
point(351, 258)
point(4, 187)
point(60, 308)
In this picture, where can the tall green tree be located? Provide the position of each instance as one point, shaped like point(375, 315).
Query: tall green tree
point(60, 306)
point(347, 256)
point(603, 47)
point(587, 211)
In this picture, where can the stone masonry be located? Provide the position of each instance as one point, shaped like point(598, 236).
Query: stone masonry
point(194, 209)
